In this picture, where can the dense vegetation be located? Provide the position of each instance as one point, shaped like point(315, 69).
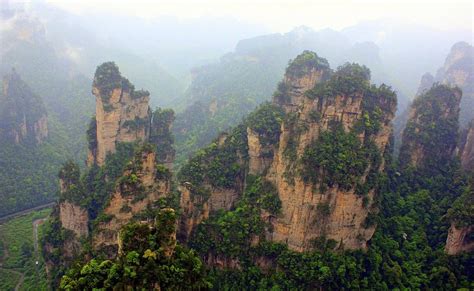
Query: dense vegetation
point(337, 158)
point(407, 249)
point(161, 134)
point(28, 172)
point(18, 254)
point(223, 162)
point(107, 78)
point(306, 61)
point(149, 258)
point(435, 130)
point(92, 189)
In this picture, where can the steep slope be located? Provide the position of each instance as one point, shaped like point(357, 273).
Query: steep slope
point(221, 94)
point(430, 137)
point(23, 117)
point(458, 70)
point(461, 232)
point(127, 179)
point(466, 148)
point(158, 261)
point(122, 114)
point(287, 145)
point(31, 148)
point(429, 150)
point(461, 215)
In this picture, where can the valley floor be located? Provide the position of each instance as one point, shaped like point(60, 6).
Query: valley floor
point(21, 264)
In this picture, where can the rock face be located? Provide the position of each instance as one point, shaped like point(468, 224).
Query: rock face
point(316, 105)
point(430, 136)
point(140, 186)
point(301, 222)
point(122, 114)
point(466, 152)
point(459, 240)
point(161, 136)
point(74, 218)
point(458, 70)
point(72, 215)
point(23, 115)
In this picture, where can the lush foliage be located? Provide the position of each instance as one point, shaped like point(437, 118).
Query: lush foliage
point(305, 62)
point(462, 212)
point(149, 259)
point(337, 158)
point(161, 134)
point(435, 129)
point(266, 122)
point(229, 234)
point(19, 107)
point(28, 173)
point(107, 78)
point(20, 254)
point(407, 249)
point(218, 165)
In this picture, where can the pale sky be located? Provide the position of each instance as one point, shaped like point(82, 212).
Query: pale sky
point(283, 15)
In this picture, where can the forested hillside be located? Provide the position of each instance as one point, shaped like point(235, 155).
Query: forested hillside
point(32, 148)
point(221, 93)
point(304, 193)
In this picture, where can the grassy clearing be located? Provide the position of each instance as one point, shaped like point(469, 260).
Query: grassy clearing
point(17, 251)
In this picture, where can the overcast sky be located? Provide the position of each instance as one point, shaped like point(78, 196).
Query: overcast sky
point(283, 15)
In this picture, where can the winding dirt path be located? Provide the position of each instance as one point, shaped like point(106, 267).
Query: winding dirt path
point(36, 223)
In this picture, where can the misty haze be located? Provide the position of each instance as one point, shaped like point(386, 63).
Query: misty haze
point(236, 145)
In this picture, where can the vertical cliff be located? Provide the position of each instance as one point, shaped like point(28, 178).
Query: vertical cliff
point(122, 114)
point(162, 136)
point(320, 145)
point(330, 155)
point(128, 178)
point(141, 185)
point(68, 225)
point(72, 214)
point(430, 137)
point(23, 116)
point(458, 70)
point(466, 149)
point(461, 232)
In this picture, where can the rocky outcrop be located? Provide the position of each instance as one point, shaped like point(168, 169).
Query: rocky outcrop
point(74, 218)
point(315, 104)
point(334, 212)
point(161, 135)
point(427, 80)
point(72, 215)
point(466, 152)
point(461, 215)
point(23, 117)
point(301, 76)
point(458, 70)
point(260, 156)
point(460, 239)
point(140, 186)
point(430, 137)
point(122, 114)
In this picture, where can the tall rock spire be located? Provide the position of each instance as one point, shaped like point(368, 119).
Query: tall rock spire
point(122, 114)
